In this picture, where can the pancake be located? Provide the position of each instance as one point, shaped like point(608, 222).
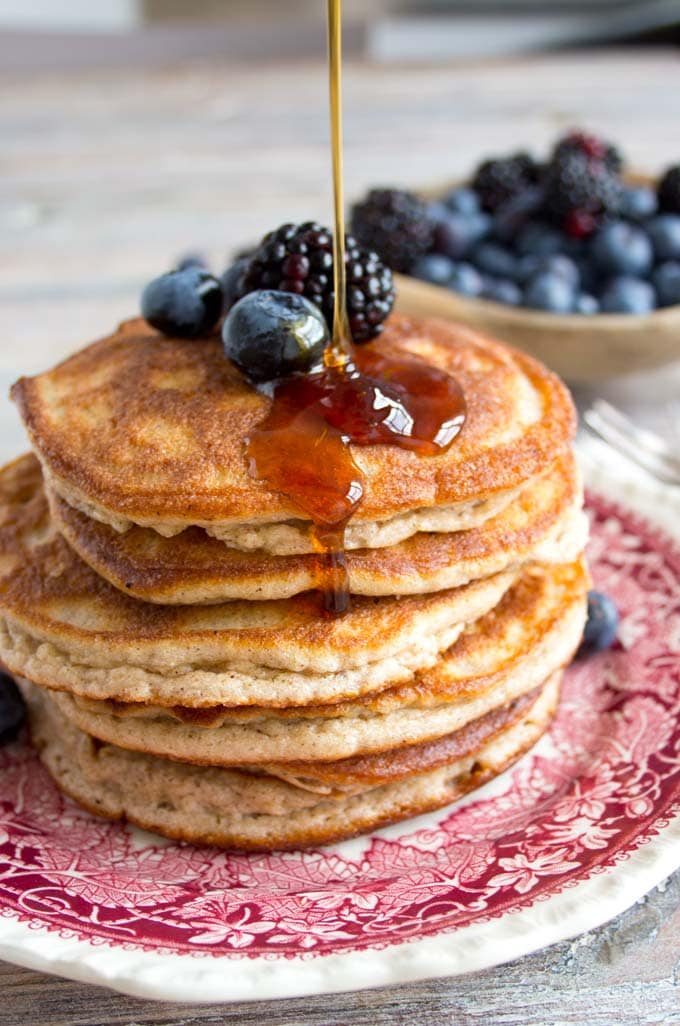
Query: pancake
point(139, 428)
point(545, 522)
point(198, 804)
point(357, 773)
point(531, 633)
point(63, 626)
point(294, 537)
point(139, 545)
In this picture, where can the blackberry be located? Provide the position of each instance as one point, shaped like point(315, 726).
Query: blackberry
point(669, 190)
point(299, 259)
point(394, 223)
point(590, 146)
point(501, 179)
point(578, 191)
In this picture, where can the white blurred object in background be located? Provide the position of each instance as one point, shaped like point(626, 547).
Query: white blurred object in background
point(395, 29)
point(71, 15)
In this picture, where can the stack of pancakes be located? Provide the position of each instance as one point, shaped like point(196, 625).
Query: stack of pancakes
point(155, 598)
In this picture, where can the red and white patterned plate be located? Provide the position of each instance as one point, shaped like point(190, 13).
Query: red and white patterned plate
point(583, 826)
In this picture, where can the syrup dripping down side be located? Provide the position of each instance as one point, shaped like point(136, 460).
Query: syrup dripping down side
point(302, 448)
point(299, 454)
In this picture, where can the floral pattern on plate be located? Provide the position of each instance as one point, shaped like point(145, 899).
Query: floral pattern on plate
point(605, 780)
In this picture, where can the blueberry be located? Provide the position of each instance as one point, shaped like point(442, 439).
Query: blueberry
point(231, 281)
point(438, 212)
point(638, 202)
point(183, 303)
point(494, 259)
point(462, 201)
point(456, 236)
point(538, 239)
point(434, 268)
point(622, 248)
point(527, 266)
point(561, 265)
point(12, 709)
point(502, 290)
point(550, 291)
point(602, 623)
point(586, 305)
point(574, 247)
point(664, 231)
point(451, 237)
point(270, 334)
point(666, 281)
point(589, 275)
point(466, 279)
point(628, 295)
point(481, 225)
point(191, 260)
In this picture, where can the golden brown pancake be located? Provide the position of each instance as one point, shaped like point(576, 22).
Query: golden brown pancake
point(139, 428)
point(531, 633)
point(250, 812)
point(63, 626)
point(358, 772)
point(544, 522)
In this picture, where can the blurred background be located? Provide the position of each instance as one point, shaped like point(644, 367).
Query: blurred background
point(56, 33)
point(134, 131)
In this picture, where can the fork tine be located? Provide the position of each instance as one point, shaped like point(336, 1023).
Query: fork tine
point(646, 438)
point(651, 461)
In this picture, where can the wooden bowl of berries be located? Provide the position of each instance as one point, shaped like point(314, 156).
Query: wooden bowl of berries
point(574, 260)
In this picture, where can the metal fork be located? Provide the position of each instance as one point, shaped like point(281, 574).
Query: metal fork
point(644, 447)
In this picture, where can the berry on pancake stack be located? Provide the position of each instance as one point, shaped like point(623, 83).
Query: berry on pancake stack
point(158, 597)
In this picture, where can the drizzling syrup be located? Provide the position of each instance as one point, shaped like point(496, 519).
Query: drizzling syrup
point(341, 349)
point(360, 396)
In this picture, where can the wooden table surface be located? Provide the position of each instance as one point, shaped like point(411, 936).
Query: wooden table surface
point(108, 176)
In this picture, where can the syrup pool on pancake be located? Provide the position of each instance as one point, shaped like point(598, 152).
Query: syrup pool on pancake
point(302, 448)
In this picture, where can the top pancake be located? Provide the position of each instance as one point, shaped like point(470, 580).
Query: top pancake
point(139, 428)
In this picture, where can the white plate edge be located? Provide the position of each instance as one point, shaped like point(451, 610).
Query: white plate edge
point(183, 978)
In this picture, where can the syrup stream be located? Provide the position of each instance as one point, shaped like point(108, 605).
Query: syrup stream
point(341, 350)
